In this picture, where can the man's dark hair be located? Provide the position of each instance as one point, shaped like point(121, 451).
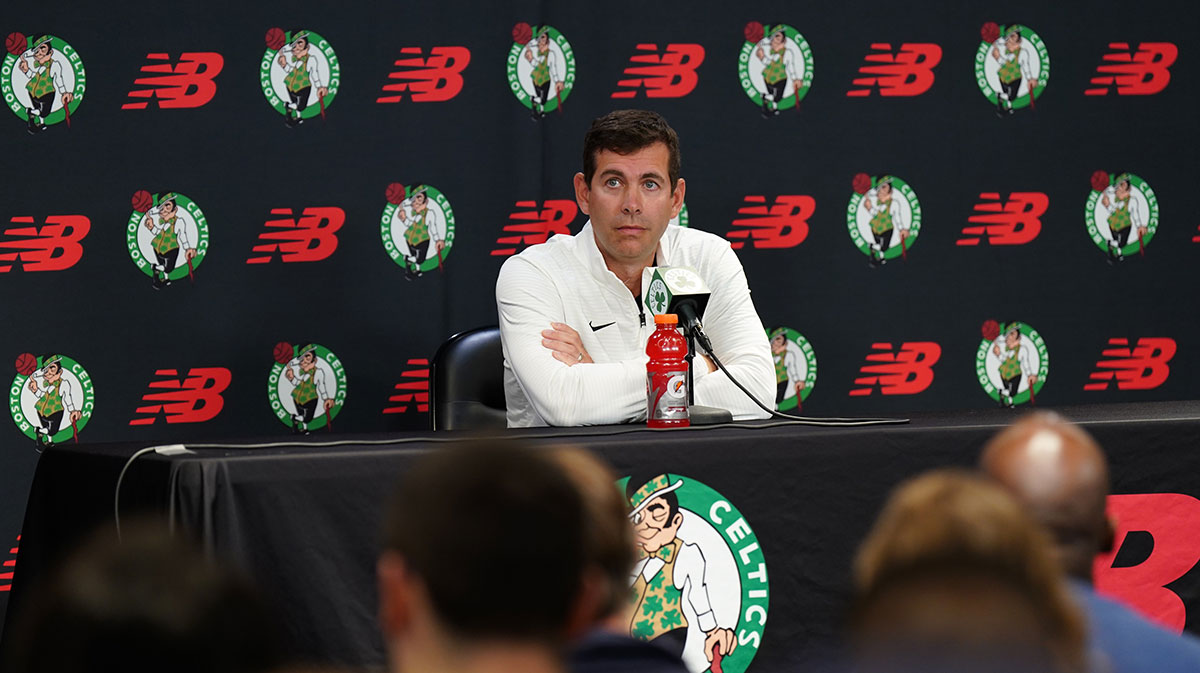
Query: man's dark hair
point(495, 533)
point(625, 132)
point(150, 602)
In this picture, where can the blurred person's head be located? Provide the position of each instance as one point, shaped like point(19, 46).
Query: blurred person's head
point(955, 575)
point(1058, 472)
point(483, 561)
point(150, 602)
point(608, 539)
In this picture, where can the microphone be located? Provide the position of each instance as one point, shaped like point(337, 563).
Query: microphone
point(679, 290)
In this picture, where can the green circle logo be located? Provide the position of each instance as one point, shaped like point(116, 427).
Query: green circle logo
point(44, 84)
point(1011, 362)
point(51, 398)
point(775, 67)
point(307, 386)
point(167, 236)
point(700, 574)
point(883, 217)
point(541, 68)
point(418, 231)
point(1122, 216)
point(301, 78)
point(1011, 62)
point(795, 367)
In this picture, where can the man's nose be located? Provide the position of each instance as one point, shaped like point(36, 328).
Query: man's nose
point(632, 202)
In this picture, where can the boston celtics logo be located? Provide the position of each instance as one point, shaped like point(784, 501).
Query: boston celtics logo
point(417, 228)
point(167, 236)
point(1012, 66)
point(51, 399)
point(1011, 362)
point(541, 68)
point(884, 217)
point(1121, 214)
point(700, 581)
point(42, 79)
point(299, 74)
point(775, 66)
point(795, 367)
point(307, 387)
point(682, 218)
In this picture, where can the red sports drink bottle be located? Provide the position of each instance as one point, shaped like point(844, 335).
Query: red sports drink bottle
point(666, 375)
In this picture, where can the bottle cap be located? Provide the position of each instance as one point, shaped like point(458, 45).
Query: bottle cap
point(666, 319)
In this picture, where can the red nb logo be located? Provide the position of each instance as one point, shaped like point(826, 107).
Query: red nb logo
point(194, 399)
point(782, 225)
point(52, 247)
point(1139, 368)
point(1170, 519)
point(533, 226)
point(671, 74)
point(1014, 222)
point(189, 83)
point(6, 575)
point(906, 372)
point(413, 391)
point(311, 238)
point(1141, 73)
point(427, 80)
point(908, 72)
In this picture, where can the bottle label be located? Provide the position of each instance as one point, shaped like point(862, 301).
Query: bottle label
point(667, 395)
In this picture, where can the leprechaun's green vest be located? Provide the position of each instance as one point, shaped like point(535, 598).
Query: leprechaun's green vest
point(297, 79)
point(656, 604)
point(1011, 368)
point(775, 70)
point(541, 72)
point(780, 368)
point(881, 222)
point(306, 390)
point(51, 402)
point(1011, 70)
point(1120, 218)
point(41, 83)
point(417, 232)
point(166, 241)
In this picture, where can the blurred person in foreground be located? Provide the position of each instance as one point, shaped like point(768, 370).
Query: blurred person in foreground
point(1059, 473)
point(148, 603)
point(955, 576)
point(483, 563)
point(608, 543)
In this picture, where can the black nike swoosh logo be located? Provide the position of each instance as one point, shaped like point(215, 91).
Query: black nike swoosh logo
point(597, 328)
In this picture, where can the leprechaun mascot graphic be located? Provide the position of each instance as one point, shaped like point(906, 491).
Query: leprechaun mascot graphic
point(54, 399)
point(309, 387)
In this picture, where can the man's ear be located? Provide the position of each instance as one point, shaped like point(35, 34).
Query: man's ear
point(677, 520)
point(582, 193)
point(395, 601)
point(677, 197)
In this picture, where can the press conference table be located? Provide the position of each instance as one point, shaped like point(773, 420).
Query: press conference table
point(303, 517)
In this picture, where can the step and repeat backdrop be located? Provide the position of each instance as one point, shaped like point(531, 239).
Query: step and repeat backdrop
point(231, 220)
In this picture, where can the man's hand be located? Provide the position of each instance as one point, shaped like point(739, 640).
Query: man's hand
point(720, 640)
point(68, 97)
point(150, 223)
point(403, 217)
point(287, 372)
point(75, 416)
point(1032, 85)
point(866, 203)
point(799, 387)
point(559, 86)
point(565, 344)
point(282, 61)
point(1142, 232)
point(903, 234)
point(322, 92)
point(441, 245)
point(529, 54)
point(191, 253)
point(996, 53)
point(712, 366)
point(328, 405)
point(1104, 201)
point(996, 349)
point(33, 385)
point(759, 53)
point(1032, 380)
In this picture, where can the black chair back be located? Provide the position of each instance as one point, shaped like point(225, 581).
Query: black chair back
point(468, 382)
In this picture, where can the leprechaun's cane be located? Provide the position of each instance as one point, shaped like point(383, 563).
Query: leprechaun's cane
point(558, 97)
point(1141, 245)
point(321, 100)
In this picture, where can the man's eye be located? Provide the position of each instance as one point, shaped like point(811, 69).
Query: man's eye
point(637, 518)
point(612, 182)
point(650, 184)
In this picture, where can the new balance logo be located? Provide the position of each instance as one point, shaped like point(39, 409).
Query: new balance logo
point(1141, 73)
point(413, 391)
point(311, 238)
point(1139, 368)
point(908, 72)
point(671, 74)
point(54, 246)
point(193, 399)
point(1013, 222)
point(188, 83)
point(783, 224)
point(906, 371)
point(530, 226)
point(6, 570)
point(427, 80)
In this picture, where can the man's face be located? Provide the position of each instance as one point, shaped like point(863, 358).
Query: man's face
point(308, 361)
point(778, 344)
point(53, 373)
point(653, 528)
point(1122, 190)
point(885, 192)
point(1012, 42)
point(777, 41)
point(167, 209)
point(543, 42)
point(419, 202)
point(630, 203)
point(1012, 339)
point(300, 48)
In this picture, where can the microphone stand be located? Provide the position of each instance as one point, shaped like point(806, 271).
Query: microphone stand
point(698, 414)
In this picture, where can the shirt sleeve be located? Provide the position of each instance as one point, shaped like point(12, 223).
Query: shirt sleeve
point(897, 214)
point(1135, 212)
point(553, 63)
point(789, 61)
point(56, 75)
point(319, 379)
point(181, 233)
point(738, 340)
point(64, 391)
point(1026, 68)
point(527, 302)
point(314, 72)
point(691, 561)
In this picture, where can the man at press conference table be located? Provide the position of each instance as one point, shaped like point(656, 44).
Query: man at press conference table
point(572, 317)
